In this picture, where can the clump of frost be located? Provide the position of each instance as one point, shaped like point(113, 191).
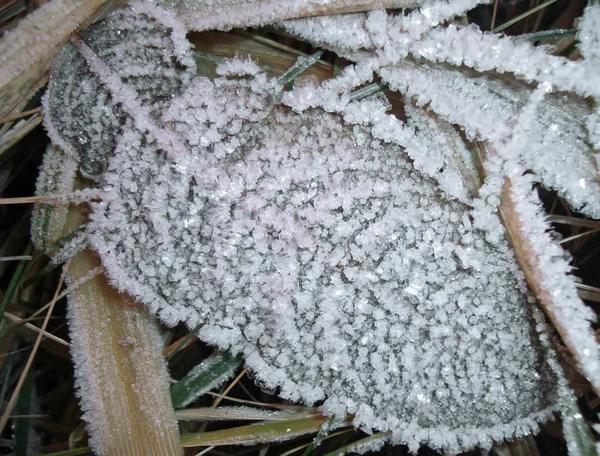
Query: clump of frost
point(340, 250)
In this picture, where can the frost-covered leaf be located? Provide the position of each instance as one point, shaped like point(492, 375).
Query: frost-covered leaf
point(483, 106)
point(308, 231)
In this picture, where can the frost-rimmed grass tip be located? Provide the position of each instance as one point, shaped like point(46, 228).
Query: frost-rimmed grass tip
point(298, 231)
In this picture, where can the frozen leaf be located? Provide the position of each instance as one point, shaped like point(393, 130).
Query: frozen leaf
point(316, 235)
point(483, 106)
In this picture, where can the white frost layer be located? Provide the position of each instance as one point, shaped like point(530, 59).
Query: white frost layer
point(352, 32)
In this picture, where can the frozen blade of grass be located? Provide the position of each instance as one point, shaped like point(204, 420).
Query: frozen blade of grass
point(77, 435)
point(23, 426)
point(525, 446)
point(274, 57)
point(321, 435)
point(207, 375)
point(587, 292)
point(367, 91)
point(524, 233)
point(308, 445)
point(227, 14)
point(565, 220)
point(380, 437)
point(546, 35)
point(16, 258)
point(20, 115)
point(73, 452)
point(580, 441)
point(259, 404)
point(256, 433)
point(57, 176)
point(240, 414)
point(577, 236)
point(172, 350)
point(18, 321)
point(300, 66)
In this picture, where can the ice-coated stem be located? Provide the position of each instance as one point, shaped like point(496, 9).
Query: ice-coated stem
point(121, 377)
point(26, 51)
point(228, 14)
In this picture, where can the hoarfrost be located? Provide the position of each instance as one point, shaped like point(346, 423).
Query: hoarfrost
point(339, 249)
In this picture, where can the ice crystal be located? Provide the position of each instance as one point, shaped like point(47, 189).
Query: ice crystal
point(349, 256)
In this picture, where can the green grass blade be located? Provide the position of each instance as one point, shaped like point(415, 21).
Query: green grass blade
point(367, 91)
point(22, 426)
point(274, 431)
point(73, 452)
point(301, 65)
point(354, 445)
point(207, 375)
point(15, 281)
point(322, 435)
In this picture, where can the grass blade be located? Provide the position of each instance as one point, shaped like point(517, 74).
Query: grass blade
point(256, 433)
point(240, 414)
point(207, 375)
point(14, 282)
point(355, 445)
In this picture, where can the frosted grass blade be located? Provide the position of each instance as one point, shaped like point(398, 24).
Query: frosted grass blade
point(256, 433)
point(207, 375)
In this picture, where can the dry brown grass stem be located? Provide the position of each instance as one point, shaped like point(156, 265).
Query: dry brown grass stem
point(19, 115)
